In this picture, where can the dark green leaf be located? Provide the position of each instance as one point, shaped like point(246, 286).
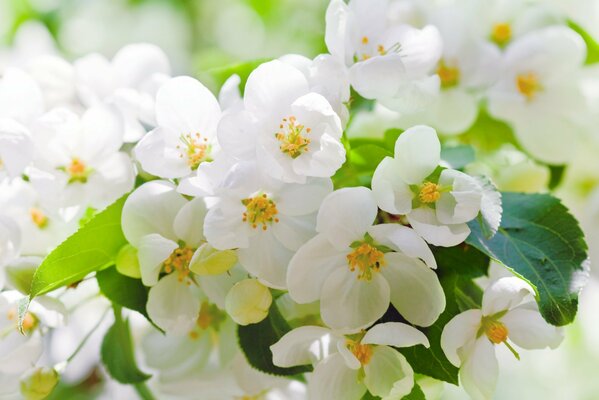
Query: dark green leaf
point(415, 394)
point(592, 45)
point(540, 241)
point(123, 290)
point(92, 248)
point(557, 174)
point(255, 341)
point(117, 352)
point(458, 156)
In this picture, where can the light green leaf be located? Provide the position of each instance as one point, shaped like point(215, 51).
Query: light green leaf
point(488, 133)
point(127, 262)
point(457, 156)
point(117, 352)
point(592, 45)
point(93, 247)
point(243, 69)
point(540, 241)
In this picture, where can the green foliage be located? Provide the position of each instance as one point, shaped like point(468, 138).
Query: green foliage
point(255, 341)
point(488, 133)
point(415, 394)
point(458, 156)
point(122, 290)
point(592, 45)
point(117, 352)
point(540, 241)
point(218, 76)
point(92, 248)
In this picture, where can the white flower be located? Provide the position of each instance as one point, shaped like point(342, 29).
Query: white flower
point(10, 244)
point(356, 268)
point(20, 96)
point(347, 366)
point(166, 229)
point(438, 206)
point(78, 159)
point(538, 92)
point(390, 62)
point(16, 148)
point(187, 114)
point(293, 133)
point(508, 312)
point(128, 82)
point(267, 220)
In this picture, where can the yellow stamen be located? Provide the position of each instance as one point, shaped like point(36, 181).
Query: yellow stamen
point(365, 258)
point(38, 217)
point(501, 33)
point(449, 76)
point(528, 85)
point(363, 352)
point(260, 210)
point(429, 192)
point(78, 171)
point(365, 40)
point(29, 320)
point(496, 331)
point(292, 138)
point(196, 149)
point(179, 261)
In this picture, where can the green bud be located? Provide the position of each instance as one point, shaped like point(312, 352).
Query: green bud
point(209, 261)
point(38, 383)
point(248, 302)
point(127, 262)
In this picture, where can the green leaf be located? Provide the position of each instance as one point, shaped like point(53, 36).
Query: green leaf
point(540, 241)
point(415, 394)
point(117, 352)
point(243, 69)
point(92, 248)
point(391, 136)
point(367, 157)
point(458, 156)
point(456, 268)
point(557, 174)
point(592, 45)
point(123, 290)
point(488, 133)
point(255, 341)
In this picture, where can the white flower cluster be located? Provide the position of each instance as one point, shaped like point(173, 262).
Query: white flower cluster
point(233, 208)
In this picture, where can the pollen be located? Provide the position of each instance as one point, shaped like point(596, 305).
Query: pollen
point(363, 352)
point(501, 33)
point(429, 193)
point(528, 85)
point(365, 40)
point(260, 210)
point(496, 332)
point(365, 259)
point(292, 137)
point(195, 148)
point(38, 217)
point(178, 262)
point(449, 75)
point(29, 320)
point(78, 170)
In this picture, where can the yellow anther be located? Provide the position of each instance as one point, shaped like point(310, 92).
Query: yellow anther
point(528, 85)
point(501, 33)
point(363, 352)
point(365, 258)
point(449, 76)
point(29, 320)
point(365, 40)
point(78, 171)
point(179, 261)
point(291, 137)
point(196, 149)
point(496, 331)
point(260, 210)
point(38, 217)
point(429, 192)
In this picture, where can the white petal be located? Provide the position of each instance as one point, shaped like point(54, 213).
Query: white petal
point(350, 358)
point(527, 328)
point(172, 305)
point(302, 346)
point(16, 147)
point(462, 204)
point(152, 251)
point(135, 63)
point(424, 221)
point(20, 96)
point(417, 153)
point(237, 134)
point(458, 331)
point(391, 192)
point(102, 133)
point(267, 259)
point(295, 199)
point(332, 379)
point(229, 95)
point(504, 294)
point(225, 229)
point(336, 28)
point(186, 106)
point(189, 222)
point(455, 111)
point(151, 208)
point(159, 157)
point(415, 289)
point(395, 334)
point(405, 240)
point(346, 214)
point(388, 372)
point(309, 268)
point(349, 304)
point(293, 232)
point(378, 77)
point(420, 48)
point(479, 370)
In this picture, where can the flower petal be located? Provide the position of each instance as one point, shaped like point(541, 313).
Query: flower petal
point(404, 239)
point(395, 334)
point(458, 331)
point(332, 379)
point(388, 372)
point(189, 222)
point(425, 223)
point(391, 192)
point(302, 346)
point(152, 251)
point(529, 330)
point(480, 369)
point(504, 294)
point(417, 153)
point(172, 305)
point(462, 204)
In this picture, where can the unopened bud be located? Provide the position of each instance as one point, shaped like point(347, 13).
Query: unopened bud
point(209, 261)
point(127, 262)
point(38, 383)
point(248, 302)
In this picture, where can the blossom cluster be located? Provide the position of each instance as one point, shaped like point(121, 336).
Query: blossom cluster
point(233, 212)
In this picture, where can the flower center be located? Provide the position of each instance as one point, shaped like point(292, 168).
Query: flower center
point(38, 217)
point(260, 210)
point(365, 258)
point(291, 137)
point(77, 170)
point(528, 85)
point(179, 261)
point(363, 352)
point(30, 322)
point(209, 316)
point(501, 33)
point(429, 192)
point(496, 331)
point(195, 148)
point(449, 76)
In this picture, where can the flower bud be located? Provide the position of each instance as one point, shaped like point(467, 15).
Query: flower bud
point(38, 383)
point(127, 262)
point(209, 261)
point(248, 302)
